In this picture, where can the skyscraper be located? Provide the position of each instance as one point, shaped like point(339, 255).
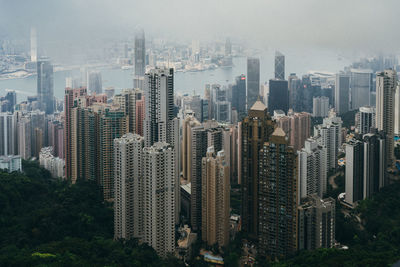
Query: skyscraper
point(278, 96)
point(374, 163)
point(159, 97)
point(342, 92)
point(33, 45)
point(94, 82)
point(316, 223)
point(386, 83)
point(8, 134)
point(239, 95)
point(312, 169)
point(45, 86)
point(354, 171)
point(256, 129)
point(365, 120)
point(361, 85)
point(279, 66)
point(159, 198)
point(320, 106)
point(253, 81)
point(127, 100)
point(140, 53)
point(277, 201)
point(215, 198)
point(128, 183)
point(294, 85)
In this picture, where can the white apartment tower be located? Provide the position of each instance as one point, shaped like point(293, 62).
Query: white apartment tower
point(159, 197)
point(128, 182)
point(312, 168)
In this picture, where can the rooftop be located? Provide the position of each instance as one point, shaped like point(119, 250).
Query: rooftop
point(258, 105)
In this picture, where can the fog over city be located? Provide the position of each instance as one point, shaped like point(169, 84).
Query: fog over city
point(349, 26)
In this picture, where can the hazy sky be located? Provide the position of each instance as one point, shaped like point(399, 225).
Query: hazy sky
point(368, 25)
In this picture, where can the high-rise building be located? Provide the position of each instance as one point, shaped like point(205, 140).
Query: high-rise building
point(128, 186)
point(312, 169)
point(365, 120)
point(354, 171)
point(8, 134)
point(45, 86)
point(277, 198)
point(159, 97)
point(374, 163)
point(330, 133)
point(278, 96)
point(188, 123)
point(297, 127)
point(127, 100)
point(24, 138)
point(159, 198)
point(215, 198)
point(342, 92)
point(239, 95)
point(316, 222)
point(94, 82)
point(228, 47)
point(294, 85)
point(256, 129)
point(253, 81)
point(320, 106)
point(112, 124)
point(33, 45)
point(361, 85)
point(140, 54)
point(279, 66)
point(386, 83)
point(397, 111)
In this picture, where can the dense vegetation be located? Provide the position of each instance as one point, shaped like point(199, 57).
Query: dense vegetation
point(373, 242)
point(44, 222)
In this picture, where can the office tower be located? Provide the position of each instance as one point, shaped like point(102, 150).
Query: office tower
point(320, 106)
point(278, 96)
point(140, 54)
point(279, 66)
point(277, 207)
point(223, 111)
point(69, 99)
point(8, 134)
point(128, 183)
point(354, 171)
point(188, 123)
point(294, 86)
point(256, 129)
point(374, 163)
point(316, 223)
point(9, 101)
point(112, 124)
point(397, 111)
point(296, 126)
point(239, 95)
point(24, 138)
point(33, 45)
point(361, 85)
point(159, 97)
point(386, 83)
point(312, 169)
point(138, 82)
point(342, 92)
point(330, 133)
point(94, 82)
point(253, 81)
point(215, 198)
point(365, 120)
point(159, 198)
point(140, 111)
point(45, 86)
point(127, 100)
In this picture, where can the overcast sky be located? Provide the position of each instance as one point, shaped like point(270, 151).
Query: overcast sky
point(367, 25)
